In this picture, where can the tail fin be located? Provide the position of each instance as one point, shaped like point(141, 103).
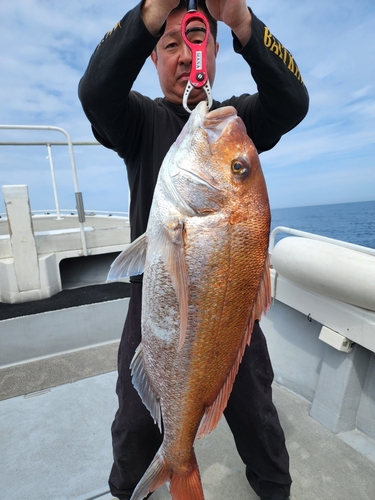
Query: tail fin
point(186, 486)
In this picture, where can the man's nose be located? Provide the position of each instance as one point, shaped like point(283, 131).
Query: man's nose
point(185, 54)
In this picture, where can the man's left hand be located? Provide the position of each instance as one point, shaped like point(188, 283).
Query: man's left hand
point(235, 14)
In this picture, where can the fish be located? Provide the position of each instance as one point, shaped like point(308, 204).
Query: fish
point(206, 280)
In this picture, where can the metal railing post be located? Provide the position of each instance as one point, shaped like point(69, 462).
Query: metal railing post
point(78, 194)
point(49, 149)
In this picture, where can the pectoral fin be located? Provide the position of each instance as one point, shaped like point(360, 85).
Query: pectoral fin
point(170, 244)
point(130, 262)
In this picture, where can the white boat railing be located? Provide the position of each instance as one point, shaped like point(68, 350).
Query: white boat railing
point(48, 144)
point(326, 239)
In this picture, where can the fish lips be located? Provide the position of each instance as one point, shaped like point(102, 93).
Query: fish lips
point(217, 121)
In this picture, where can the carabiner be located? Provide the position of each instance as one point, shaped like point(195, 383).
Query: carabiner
point(189, 87)
point(198, 75)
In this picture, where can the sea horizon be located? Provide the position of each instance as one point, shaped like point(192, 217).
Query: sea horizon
point(323, 204)
point(353, 222)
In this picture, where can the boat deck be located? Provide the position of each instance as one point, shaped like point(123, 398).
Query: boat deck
point(61, 250)
point(50, 222)
point(57, 385)
point(56, 441)
point(62, 235)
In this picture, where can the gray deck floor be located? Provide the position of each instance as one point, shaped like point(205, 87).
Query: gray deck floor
point(56, 445)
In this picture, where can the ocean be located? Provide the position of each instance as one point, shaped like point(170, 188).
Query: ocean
point(352, 222)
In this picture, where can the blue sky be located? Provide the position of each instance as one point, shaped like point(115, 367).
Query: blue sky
point(328, 158)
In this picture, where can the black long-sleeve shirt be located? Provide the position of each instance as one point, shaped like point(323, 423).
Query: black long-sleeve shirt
point(141, 130)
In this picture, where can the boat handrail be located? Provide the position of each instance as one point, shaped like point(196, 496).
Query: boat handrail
point(72, 211)
point(78, 194)
point(52, 143)
point(326, 239)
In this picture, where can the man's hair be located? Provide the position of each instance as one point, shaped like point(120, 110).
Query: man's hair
point(203, 7)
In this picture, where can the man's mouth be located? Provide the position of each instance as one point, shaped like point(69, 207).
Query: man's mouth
point(184, 77)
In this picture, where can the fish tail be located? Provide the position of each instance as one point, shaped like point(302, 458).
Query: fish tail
point(187, 486)
point(183, 486)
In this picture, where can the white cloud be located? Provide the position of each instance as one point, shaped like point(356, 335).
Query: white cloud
point(46, 45)
point(362, 92)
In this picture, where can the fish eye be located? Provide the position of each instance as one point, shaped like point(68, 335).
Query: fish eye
point(239, 168)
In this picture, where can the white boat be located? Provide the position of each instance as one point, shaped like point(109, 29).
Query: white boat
point(59, 330)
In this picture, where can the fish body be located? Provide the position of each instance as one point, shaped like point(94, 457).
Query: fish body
point(206, 280)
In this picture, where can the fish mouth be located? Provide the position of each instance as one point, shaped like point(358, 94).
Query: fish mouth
point(214, 122)
point(216, 116)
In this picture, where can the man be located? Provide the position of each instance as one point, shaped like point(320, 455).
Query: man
point(141, 131)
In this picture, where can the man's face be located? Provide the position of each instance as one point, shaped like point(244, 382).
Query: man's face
point(172, 59)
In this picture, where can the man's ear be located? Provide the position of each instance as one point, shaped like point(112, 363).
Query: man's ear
point(154, 58)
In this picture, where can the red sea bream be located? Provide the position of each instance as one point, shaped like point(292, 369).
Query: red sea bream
point(206, 280)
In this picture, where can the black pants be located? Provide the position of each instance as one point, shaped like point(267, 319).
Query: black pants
point(250, 414)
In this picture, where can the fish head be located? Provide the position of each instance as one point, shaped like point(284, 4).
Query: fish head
point(214, 166)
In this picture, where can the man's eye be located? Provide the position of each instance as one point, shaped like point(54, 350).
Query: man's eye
point(171, 45)
point(196, 34)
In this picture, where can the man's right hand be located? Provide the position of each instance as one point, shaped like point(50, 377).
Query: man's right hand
point(155, 13)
